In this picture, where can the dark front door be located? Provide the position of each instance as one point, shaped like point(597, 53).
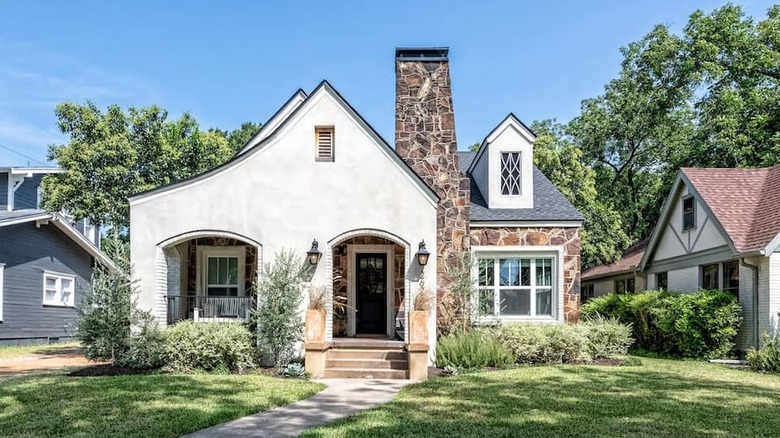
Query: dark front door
point(371, 293)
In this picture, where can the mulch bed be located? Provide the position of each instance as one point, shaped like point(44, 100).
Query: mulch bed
point(107, 370)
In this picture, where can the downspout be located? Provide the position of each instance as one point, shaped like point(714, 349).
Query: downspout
point(753, 268)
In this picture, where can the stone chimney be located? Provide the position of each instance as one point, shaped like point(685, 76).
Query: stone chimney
point(425, 139)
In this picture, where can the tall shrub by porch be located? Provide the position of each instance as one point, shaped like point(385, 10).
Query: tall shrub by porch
point(278, 313)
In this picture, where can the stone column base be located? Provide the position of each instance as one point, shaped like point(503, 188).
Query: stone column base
point(315, 359)
point(418, 361)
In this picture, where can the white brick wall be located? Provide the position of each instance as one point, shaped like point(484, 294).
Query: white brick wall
point(684, 280)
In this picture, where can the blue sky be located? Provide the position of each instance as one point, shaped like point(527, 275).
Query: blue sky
point(229, 62)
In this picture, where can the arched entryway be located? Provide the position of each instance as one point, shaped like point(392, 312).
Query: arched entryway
point(206, 275)
point(369, 283)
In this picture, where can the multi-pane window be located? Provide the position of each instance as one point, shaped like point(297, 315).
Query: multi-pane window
point(515, 287)
point(222, 277)
point(662, 280)
point(59, 289)
point(510, 173)
point(731, 277)
point(587, 292)
point(709, 276)
point(689, 213)
point(625, 285)
point(325, 140)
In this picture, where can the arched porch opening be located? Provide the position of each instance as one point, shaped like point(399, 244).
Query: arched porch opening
point(206, 276)
point(369, 285)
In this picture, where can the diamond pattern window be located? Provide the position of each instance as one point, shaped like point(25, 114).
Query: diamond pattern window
point(510, 173)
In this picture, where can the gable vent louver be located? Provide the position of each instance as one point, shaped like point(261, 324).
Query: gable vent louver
point(325, 140)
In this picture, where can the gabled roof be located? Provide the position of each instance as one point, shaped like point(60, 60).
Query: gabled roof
point(510, 119)
point(746, 202)
point(744, 205)
point(549, 203)
point(8, 218)
point(276, 119)
point(325, 87)
point(629, 262)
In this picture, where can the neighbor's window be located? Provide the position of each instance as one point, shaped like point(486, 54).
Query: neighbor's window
point(689, 213)
point(587, 292)
point(625, 285)
point(510, 173)
point(515, 287)
point(709, 276)
point(731, 278)
point(662, 280)
point(325, 139)
point(59, 289)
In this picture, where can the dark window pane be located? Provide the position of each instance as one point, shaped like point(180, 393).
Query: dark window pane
point(544, 302)
point(709, 276)
point(486, 302)
point(689, 213)
point(620, 286)
point(731, 278)
point(630, 285)
point(510, 272)
point(662, 280)
point(486, 272)
point(223, 292)
point(516, 302)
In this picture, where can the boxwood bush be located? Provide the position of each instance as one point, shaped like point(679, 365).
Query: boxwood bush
point(208, 346)
point(698, 325)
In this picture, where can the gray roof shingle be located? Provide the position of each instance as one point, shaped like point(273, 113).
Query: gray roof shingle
point(549, 203)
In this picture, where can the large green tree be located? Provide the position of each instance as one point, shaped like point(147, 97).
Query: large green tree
point(603, 238)
point(113, 154)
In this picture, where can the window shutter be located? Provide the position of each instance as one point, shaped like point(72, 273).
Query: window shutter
point(325, 137)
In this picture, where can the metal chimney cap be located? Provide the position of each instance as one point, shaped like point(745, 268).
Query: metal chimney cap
point(421, 53)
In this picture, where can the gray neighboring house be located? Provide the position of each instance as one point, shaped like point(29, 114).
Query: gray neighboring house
point(46, 262)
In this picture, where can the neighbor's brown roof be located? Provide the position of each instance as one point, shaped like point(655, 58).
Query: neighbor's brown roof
point(746, 202)
point(628, 262)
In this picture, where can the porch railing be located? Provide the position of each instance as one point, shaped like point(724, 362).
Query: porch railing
point(208, 309)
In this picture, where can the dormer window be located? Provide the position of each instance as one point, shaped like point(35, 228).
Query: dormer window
point(689, 213)
point(325, 140)
point(510, 173)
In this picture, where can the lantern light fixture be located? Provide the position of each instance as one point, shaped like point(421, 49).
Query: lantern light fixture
point(314, 253)
point(422, 254)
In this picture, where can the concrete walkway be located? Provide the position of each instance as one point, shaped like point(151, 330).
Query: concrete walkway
point(342, 398)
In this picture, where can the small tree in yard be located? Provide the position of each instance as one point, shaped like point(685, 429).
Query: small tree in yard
point(455, 306)
point(278, 313)
point(107, 311)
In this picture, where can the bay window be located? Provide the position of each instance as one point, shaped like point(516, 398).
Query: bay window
point(515, 287)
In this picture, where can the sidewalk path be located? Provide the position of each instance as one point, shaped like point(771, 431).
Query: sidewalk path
point(66, 357)
point(342, 398)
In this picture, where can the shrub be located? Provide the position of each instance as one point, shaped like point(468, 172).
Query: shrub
point(699, 325)
point(209, 347)
point(107, 311)
point(278, 314)
point(472, 350)
point(145, 349)
point(544, 343)
point(767, 359)
point(606, 338)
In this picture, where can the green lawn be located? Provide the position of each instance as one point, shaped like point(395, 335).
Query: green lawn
point(137, 406)
point(660, 398)
point(13, 352)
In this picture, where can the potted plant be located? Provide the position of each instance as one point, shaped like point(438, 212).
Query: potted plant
point(418, 317)
point(315, 315)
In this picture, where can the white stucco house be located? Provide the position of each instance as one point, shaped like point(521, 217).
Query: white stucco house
point(719, 229)
point(317, 171)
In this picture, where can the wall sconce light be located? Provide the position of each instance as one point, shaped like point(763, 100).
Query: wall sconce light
point(422, 254)
point(314, 253)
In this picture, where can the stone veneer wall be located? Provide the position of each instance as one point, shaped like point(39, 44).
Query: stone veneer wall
point(192, 260)
point(341, 272)
point(569, 238)
point(425, 139)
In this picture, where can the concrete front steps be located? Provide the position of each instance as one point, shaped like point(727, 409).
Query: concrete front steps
point(366, 361)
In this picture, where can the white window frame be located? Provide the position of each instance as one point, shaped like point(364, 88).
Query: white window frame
point(555, 253)
point(220, 251)
point(58, 277)
point(2, 286)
